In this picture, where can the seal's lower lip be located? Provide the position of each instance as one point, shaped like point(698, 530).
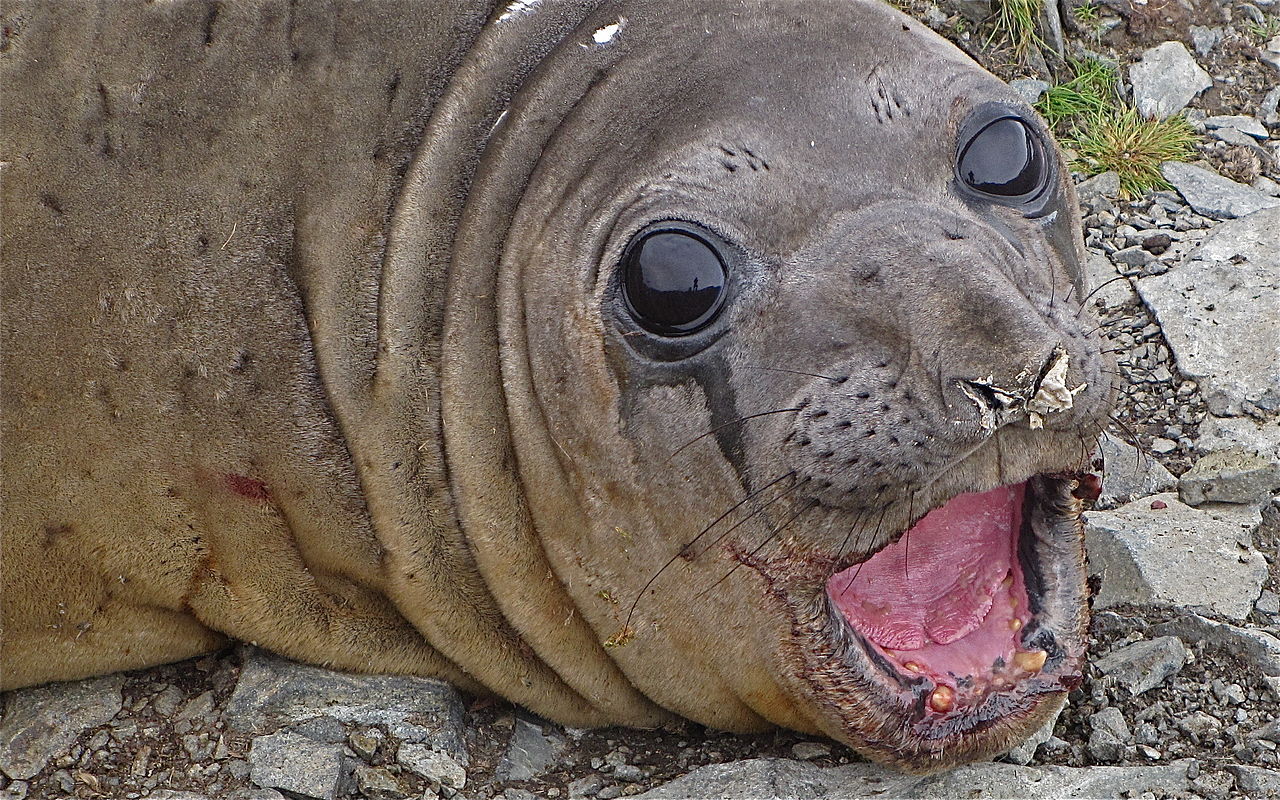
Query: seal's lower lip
point(974, 612)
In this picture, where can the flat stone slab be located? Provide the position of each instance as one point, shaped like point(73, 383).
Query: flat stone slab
point(1212, 195)
point(273, 693)
point(1220, 312)
point(774, 779)
point(296, 764)
point(1253, 436)
point(1166, 79)
point(1259, 648)
point(1174, 555)
point(1129, 473)
point(43, 722)
point(1230, 476)
point(1146, 664)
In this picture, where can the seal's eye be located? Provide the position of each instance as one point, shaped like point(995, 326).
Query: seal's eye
point(673, 281)
point(1006, 159)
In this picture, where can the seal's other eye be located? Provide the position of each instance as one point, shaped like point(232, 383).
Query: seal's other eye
point(673, 281)
point(1005, 159)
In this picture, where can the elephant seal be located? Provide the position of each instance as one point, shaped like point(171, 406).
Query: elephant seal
point(630, 359)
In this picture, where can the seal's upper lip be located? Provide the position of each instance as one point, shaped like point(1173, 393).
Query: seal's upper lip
point(960, 630)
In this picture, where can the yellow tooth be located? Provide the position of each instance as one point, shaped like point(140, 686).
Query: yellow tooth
point(1013, 602)
point(911, 665)
point(1007, 582)
point(1015, 624)
point(1030, 661)
point(943, 699)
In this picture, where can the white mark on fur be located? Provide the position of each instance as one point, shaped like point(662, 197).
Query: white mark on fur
point(608, 32)
point(1052, 394)
point(516, 8)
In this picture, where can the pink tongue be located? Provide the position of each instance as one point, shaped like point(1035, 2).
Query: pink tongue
point(936, 584)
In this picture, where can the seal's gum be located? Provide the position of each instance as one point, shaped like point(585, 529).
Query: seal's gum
point(947, 600)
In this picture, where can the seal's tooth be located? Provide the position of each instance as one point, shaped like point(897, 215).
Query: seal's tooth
point(942, 699)
point(1031, 661)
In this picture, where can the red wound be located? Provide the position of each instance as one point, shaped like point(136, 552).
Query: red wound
point(248, 488)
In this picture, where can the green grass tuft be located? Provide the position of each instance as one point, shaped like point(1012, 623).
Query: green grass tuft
point(1091, 91)
point(1016, 22)
point(1121, 140)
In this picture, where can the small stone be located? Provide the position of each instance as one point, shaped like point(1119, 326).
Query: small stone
point(1205, 39)
point(1112, 721)
point(1199, 723)
point(1239, 122)
point(1029, 89)
point(1100, 187)
point(531, 751)
point(1146, 664)
point(166, 702)
point(1156, 243)
point(294, 763)
point(365, 742)
point(1132, 256)
point(1166, 79)
point(586, 786)
point(438, 768)
point(376, 783)
point(1268, 602)
point(1163, 446)
point(1103, 746)
point(807, 751)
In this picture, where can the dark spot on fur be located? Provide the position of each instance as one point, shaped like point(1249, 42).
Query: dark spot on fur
point(248, 488)
point(52, 533)
point(211, 13)
point(52, 203)
point(393, 85)
point(244, 360)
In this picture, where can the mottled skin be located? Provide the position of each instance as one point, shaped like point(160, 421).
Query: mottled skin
point(312, 338)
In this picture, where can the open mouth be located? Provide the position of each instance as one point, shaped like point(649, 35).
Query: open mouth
point(971, 619)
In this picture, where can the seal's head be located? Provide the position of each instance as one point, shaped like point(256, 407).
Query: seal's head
point(798, 377)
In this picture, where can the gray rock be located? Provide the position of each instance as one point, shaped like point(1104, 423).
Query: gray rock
point(531, 751)
point(1029, 89)
point(1112, 721)
point(807, 751)
point(1136, 256)
point(974, 10)
point(376, 783)
point(255, 794)
point(1268, 602)
point(172, 794)
point(1199, 723)
point(1212, 195)
point(1166, 79)
point(1099, 270)
point(293, 763)
point(1205, 39)
point(1257, 647)
point(1255, 782)
point(1146, 664)
point(1175, 556)
point(1096, 193)
point(1230, 476)
point(1023, 753)
point(1103, 746)
point(273, 693)
point(43, 722)
point(1128, 474)
point(1253, 436)
point(1268, 110)
point(439, 769)
point(1240, 122)
point(1220, 312)
point(770, 779)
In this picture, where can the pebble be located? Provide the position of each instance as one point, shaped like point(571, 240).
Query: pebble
point(1144, 665)
point(1166, 79)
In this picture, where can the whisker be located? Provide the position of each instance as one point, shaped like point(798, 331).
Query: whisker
point(800, 372)
point(695, 539)
point(772, 535)
point(719, 428)
point(1096, 289)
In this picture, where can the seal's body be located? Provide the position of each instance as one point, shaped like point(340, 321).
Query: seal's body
point(604, 356)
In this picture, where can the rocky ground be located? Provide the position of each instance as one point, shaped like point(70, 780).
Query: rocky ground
point(1182, 696)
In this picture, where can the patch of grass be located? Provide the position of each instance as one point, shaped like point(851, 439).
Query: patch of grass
point(1265, 31)
point(1091, 91)
point(1121, 140)
point(1087, 14)
point(1016, 22)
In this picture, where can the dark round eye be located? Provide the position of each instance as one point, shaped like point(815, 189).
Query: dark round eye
point(673, 281)
point(1005, 158)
